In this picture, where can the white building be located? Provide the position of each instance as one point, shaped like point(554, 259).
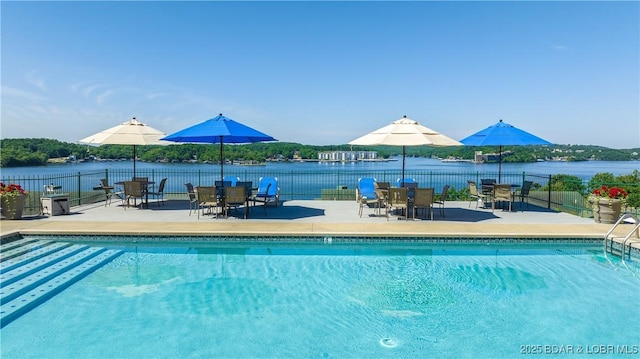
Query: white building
point(347, 156)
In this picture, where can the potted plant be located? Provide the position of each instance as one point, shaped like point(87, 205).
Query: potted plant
point(607, 203)
point(12, 200)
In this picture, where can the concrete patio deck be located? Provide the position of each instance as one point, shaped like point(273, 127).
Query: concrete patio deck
point(315, 218)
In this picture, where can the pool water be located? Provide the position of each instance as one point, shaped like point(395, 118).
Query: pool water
point(314, 300)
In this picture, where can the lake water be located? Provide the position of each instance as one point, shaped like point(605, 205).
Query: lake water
point(307, 180)
point(584, 170)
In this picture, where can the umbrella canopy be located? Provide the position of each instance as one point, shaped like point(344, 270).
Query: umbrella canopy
point(405, 132)
point(219, 129)
point(503, 134)
point(132, 132)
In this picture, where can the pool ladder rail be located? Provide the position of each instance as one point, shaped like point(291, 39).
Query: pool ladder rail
point(623, 245)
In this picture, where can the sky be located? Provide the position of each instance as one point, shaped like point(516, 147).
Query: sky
point(323, 73)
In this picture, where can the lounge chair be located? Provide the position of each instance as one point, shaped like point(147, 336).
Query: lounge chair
point(268, 192)
point(475, 195)
point(159, 194)
point(398, 198)
point(207, 199)
point(443, 198)
point(501, 193)
point(193, 199)
point(423, 199)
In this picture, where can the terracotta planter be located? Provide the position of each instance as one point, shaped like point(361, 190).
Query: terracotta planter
point(607, 210)
point(12, 206)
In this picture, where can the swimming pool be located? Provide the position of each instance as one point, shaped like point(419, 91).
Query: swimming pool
point(336, 299)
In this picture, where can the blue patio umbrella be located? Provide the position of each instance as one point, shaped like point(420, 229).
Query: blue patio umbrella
point(219, 129)
point(503, 134)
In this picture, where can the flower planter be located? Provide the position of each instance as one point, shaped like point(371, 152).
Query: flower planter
point(12, 206)
point(607, 210)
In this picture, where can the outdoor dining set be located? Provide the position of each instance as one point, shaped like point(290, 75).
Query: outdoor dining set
point(218, 200)
point(407, 198)
point(232, 194)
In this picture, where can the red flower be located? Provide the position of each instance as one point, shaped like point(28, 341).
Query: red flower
point(11, 189)
point(610, 192)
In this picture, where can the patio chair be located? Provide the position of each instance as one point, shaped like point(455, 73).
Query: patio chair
point(365, 187)
point(407, 180)
point(443, 198)
point(268, 192)
point(231, 179)
point(133, 191)
point(221, 185)
point(487, 186)
point(159, 194)
point(193, 199)
point(501, 193)
point(109, 191)
point(423, 199)
point(234, 197)
point(398, 199)
point(411, 189)
point(475, 195)
point(524, 193)
point(365, 193)
point(207, 199)
point(382, 192)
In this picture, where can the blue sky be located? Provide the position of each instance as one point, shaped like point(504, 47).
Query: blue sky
point(323, 72)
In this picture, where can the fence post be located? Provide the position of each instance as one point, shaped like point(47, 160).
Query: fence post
point(79, 188)
point(549, 193)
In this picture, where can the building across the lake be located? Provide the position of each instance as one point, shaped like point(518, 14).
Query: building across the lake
point(347, 156)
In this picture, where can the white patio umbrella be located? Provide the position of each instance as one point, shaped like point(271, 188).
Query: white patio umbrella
point(405, 132)
point(132, 132)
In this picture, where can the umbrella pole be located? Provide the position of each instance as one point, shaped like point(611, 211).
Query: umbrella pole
point(134, 160)
point(403, 156)
point(221, 163)
point(500, 165)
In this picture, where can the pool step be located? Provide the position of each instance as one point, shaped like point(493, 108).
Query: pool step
point(23, 257)
point(29, 280)
point(17, 243)
point(15, 251)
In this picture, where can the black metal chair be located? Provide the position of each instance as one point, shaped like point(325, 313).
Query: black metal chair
point(160, 192)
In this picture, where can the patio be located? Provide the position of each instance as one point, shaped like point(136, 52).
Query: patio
point(310, 217)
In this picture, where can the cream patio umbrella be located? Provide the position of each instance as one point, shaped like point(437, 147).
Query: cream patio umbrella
point(132, 132)
point(405, 132)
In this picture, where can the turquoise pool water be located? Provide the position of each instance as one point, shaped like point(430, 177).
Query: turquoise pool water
point(338, 300)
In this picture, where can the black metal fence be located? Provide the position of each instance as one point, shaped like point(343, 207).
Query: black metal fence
point(84, 187)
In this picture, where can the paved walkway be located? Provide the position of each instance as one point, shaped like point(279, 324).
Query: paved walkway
point(310, 218)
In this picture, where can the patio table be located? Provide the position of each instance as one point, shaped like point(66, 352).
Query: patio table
point(145, 190)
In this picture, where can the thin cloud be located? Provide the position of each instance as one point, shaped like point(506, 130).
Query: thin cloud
point(36, 81)
point(559, 47)
point(10, 91)
point(153, 96)
point(102, 97)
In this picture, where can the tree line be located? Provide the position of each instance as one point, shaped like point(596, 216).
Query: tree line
point(37, 151)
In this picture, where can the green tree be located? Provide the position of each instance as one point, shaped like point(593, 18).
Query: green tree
point(564, 182)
